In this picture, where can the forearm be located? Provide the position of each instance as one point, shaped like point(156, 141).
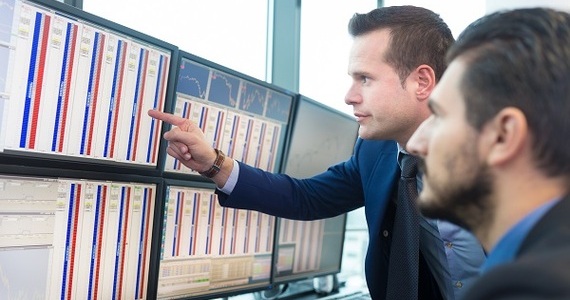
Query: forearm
point(322, 196)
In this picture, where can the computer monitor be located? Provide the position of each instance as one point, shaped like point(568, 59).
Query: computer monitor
point(321, 137)
point(76, 87)
point(244, 117)
point(208, 251)
point(75, 237)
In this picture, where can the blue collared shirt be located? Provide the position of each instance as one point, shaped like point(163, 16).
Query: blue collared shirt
point(464, 254)
point(508, 246)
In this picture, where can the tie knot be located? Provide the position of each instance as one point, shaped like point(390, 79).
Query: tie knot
point(409, 164)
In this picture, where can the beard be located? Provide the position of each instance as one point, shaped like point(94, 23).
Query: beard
point(467, 204)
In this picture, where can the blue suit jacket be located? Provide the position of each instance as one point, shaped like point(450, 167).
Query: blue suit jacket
point(368, 177)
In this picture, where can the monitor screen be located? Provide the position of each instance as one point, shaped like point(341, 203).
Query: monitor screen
point(245, 118)
point(70, 238)
point(74, 86)
point(209, 251)
point(320, 137)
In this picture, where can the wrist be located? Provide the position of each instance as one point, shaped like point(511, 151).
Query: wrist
point(216, 166)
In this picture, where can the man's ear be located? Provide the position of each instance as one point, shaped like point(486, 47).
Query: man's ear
point(426, 81)
point(507, 134)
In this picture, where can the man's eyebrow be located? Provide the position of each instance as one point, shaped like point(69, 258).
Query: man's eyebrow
point(359, 74)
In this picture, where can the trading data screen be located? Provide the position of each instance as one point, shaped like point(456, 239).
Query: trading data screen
point(74, 238)
point(76, 89)
point(244, 118)
point(210, 250)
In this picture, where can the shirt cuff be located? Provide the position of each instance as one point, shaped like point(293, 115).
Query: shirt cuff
point(232, 180)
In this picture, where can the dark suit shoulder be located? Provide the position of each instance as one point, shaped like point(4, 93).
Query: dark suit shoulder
point(541, 269)
point(544, 276)
point(551, 231)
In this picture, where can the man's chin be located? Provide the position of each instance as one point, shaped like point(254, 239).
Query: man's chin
point(426, 200)
point(370, 133)
point(428, 208)
point(372, 136)
point(364, 134)
point(432, 209)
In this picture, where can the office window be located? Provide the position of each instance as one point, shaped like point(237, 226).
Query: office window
point(325, 45)
point(230, 33)
point(493, 6)
point(457, 14)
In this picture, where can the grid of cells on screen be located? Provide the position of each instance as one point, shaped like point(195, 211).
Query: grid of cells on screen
point(78, 89)
point(208, 249)
point(74, 238)
point(241, 117)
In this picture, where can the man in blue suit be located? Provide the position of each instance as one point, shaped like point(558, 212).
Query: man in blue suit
point(496, 150)
point(396, 58)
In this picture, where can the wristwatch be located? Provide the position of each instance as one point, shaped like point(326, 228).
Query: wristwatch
point(217, 166)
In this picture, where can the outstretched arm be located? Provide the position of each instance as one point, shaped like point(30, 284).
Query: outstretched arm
point(186, 142)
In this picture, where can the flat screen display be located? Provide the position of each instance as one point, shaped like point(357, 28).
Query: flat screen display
point(207, 250)
point(321, 137)
point(245, 118)
point(75, 238)
point(76, 87)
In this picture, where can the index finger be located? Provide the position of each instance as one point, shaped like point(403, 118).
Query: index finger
point(166, 117)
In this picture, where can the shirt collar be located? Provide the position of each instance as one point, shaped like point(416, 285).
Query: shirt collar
point(401, 151)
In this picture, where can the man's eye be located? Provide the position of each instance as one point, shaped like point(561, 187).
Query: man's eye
point(363, 79)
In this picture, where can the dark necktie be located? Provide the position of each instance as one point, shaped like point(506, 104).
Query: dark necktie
point(404, 252)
